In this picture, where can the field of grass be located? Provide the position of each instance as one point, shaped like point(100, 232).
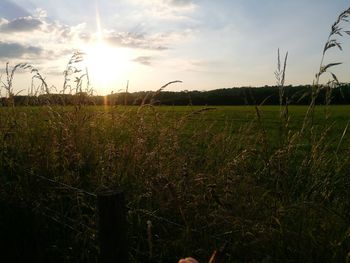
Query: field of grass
point(269, 187)
point(272, 183)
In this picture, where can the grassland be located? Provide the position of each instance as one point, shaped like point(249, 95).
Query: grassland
point(273, 186)
point(270, 182)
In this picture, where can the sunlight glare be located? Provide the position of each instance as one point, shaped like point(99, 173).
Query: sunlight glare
point(107, 65)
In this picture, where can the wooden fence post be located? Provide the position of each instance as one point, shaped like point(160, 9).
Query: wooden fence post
point(112, 227)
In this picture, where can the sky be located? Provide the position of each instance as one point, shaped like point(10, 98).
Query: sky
point(206, 44)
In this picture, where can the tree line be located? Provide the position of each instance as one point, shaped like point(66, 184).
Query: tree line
point(267, 95)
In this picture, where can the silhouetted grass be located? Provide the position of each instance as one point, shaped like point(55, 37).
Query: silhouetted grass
point(273, 182)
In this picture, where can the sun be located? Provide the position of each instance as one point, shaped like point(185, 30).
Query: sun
point(107, 66)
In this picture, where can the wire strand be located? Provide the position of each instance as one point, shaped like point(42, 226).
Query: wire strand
point(66, 186)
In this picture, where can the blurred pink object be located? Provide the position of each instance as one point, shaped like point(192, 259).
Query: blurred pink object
point(188, 260)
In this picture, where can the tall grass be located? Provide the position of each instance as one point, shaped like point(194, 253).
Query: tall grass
point(192, 183)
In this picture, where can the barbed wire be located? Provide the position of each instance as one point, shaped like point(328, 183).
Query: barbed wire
point(146, 212)
point(65, 186)
point(58, 216)
point(72, 221)
point(62, 223)
point(218, 237)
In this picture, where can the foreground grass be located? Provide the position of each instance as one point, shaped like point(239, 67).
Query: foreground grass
point(202, 176)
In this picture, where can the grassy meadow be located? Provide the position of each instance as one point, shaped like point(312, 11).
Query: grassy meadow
point(273, 186)
point(269, 182)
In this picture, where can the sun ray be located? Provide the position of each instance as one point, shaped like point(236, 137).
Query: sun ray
point(99, 33)
point(108, 65)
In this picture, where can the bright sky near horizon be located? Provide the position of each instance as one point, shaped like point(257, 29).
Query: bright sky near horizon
point(207, 44)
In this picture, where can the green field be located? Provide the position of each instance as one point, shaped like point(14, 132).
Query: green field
point(203, 176)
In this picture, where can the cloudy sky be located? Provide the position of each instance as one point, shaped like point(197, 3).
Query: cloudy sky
point(205, 43)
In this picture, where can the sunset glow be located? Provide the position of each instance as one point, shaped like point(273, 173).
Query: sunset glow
point(174, 131)
point(206, 44)
point(107, 65)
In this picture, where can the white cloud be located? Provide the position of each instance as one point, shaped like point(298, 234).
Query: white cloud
point(144, 60)
point(39, 12)
point(135, 40)
point(21, 24)
point(180, 2)
point(164, 9)
point(53, 38)
point(37, 38)
point(174, 3)
point(16, 50)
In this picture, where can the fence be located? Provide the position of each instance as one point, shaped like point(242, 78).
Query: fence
point(108, 208)
point(111, 213)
